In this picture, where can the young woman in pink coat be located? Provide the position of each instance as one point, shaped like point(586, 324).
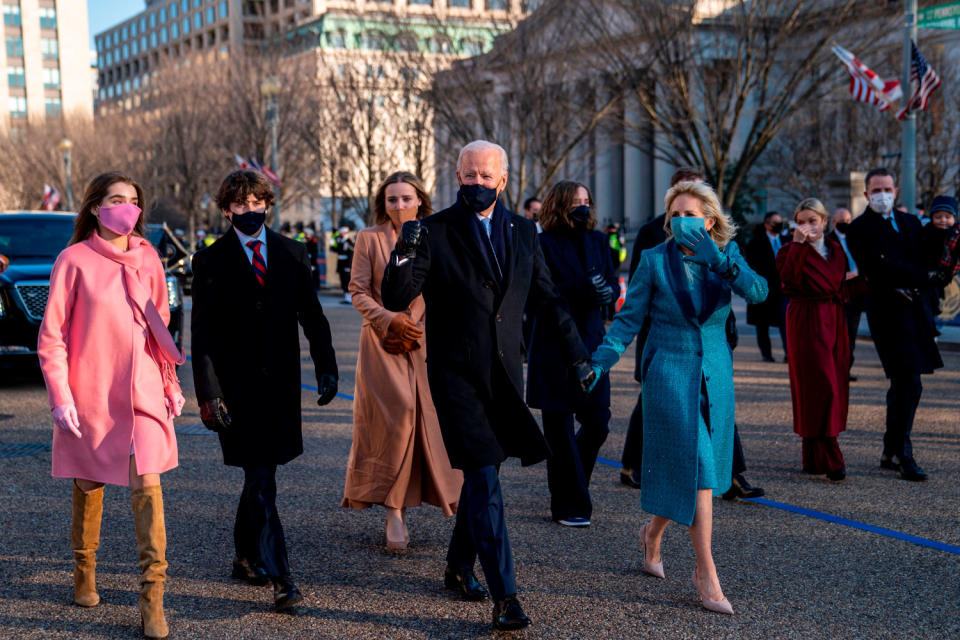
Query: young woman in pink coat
point(109, 364)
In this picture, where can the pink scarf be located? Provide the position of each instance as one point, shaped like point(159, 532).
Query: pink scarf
point(161, 346)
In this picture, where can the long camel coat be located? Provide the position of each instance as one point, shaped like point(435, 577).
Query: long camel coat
point(97, 352)
point(397, 458)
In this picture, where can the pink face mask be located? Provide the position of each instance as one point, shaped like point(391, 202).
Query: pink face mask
point(120, 218)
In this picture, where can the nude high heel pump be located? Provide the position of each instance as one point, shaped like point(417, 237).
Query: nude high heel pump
point(396, 545)
point(718, 606)
point(655, 569)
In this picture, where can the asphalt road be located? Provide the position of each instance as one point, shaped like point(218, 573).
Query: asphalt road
point(788, 575)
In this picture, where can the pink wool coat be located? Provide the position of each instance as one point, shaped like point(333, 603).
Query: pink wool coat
point(97, 351)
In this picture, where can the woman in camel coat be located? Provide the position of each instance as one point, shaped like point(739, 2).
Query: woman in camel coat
point(108, 361)
point(398, 458)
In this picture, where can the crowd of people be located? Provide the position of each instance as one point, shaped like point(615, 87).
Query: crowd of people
point(479, 289)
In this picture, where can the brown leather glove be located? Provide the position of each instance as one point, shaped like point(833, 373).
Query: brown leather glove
point(393, 346)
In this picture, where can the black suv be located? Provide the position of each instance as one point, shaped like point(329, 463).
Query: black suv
point(32, 241)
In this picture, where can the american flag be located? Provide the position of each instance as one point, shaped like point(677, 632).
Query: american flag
point(51, 198)
point(924, 81)
point(256, 165)
point(865, 85)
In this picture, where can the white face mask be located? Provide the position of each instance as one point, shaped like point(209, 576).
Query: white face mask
point(882, 203)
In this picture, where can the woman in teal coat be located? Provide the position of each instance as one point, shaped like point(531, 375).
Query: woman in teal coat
point(684, 286)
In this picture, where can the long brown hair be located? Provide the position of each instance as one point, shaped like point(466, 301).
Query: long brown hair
point(555, 212)
point(380, 199)
point(85, 222)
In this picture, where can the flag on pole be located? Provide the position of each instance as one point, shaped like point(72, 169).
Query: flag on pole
point(51, 198)
point(865, 85)
point(240, 161)
point(265, 170)
point(924, 81)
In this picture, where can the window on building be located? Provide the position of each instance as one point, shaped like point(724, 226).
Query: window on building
point(15, 46)
point(426, 2)
point(153, 39)
point(143, 25)
point(133, 29)
point(99, 44)
point(16, 77)
point(197, 21)
point(463, 4)
point(143, 43)
point(223, 9)
point(124, 33)
point(126, 86)
point(49, 48)
point(136, 82)
point(163, 35)
point(337, 39)
point(48, 17)
point(53, 107)
point(11, 15)
point(174, 30)
point(407, 42)
point(17, 106)
point(162, 15)
point(186, 25)
point(372, 40)
point(134, 48)
point(110, 91)
point(173, 10)
point(440, 44)
point(103, 93)
point(496, 5)
point(153, 20)
point(211, 15)
point(197, 3)
point(125, 51)
point(472, 47)
point(51, 78)
point(529, 6)
point(185, 5)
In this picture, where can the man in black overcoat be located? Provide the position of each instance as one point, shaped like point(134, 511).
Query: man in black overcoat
point(477, 266)
point(761, 254)
point(251, 288)
point(886, 247)
point(855, 305)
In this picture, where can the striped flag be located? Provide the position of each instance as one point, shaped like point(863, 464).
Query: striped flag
point(240, 161)
point(865, 85)
point(924, 81)
point(51, 198)
point(256, 165)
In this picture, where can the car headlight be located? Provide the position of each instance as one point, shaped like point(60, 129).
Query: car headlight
point(173, 292)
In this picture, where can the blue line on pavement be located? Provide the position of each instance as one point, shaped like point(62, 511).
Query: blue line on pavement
point(810, 513)
point(853, 524)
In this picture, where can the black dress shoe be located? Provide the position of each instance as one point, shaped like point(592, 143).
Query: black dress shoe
point(630, 477)
point(508, 615)
point(767, 358)
point(285, 594)
point(252, 573)
point(464, 582)
point(837, 476)
point(890, 462)
point(740, 488)
point(910, 470)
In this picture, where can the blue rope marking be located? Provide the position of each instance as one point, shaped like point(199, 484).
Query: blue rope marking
point(24, 449)
point(810, 513)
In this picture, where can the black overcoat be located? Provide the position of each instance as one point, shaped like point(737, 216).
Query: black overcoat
point(473, 331)
point(246, 345)
point(549, 384)
point(902, 329)
point(760, 257)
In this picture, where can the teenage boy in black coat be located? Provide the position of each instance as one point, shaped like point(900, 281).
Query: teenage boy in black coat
point(251, 288)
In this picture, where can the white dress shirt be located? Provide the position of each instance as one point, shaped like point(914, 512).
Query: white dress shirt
point(262, 237)
point(851, 263)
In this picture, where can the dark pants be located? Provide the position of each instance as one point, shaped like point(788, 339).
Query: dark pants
point(480, 531)
point(902, 400)
point(257, 533)
point(853, 309)
point(763, 339)
point(573, 456)
point(822, 455)
point(343, 270)
point(739, 462)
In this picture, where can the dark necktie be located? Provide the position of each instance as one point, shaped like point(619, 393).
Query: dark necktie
point(259, 266)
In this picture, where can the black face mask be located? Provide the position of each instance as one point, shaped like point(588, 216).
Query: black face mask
point(477, 197)
point(250, 222)
point(842, 226)
point(580, 216)
point(777, 229)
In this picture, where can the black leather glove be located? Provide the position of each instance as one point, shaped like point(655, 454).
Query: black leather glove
point(411, 235)
point(586, 375)
point(940, 278)
point(328, 389)
point(603, 290)
point(214, 415)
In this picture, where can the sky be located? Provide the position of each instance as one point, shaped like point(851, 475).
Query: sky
point(106, 13)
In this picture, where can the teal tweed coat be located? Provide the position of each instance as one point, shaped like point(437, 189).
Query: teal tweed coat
point(684, 354)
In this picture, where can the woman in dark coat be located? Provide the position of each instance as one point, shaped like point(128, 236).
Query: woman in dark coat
point(579, 260)
point(813, 272)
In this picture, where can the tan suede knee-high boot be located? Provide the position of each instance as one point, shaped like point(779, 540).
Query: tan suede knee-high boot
point(152, 548)
point(85, 540)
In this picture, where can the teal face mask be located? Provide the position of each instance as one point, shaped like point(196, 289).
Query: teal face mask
point(687, 230)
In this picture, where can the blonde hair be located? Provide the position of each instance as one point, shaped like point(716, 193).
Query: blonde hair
point(723, 230)
point(811, 204)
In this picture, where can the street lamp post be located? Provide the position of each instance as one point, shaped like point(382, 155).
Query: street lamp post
point(66, 145)
point(270, 89)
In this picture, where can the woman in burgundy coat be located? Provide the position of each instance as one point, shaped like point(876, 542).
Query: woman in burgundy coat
point(813, 274)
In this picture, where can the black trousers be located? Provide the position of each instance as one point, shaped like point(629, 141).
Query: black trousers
point(481, 531)
point(853, 310)
point(763, 339)
point(572, 458)
point(633, 445)
point(257, 533)
point(902, 400)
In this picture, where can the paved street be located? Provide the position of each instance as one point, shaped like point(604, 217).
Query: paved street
point(787, 575)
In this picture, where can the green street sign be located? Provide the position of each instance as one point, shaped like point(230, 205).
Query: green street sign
point(943, 16)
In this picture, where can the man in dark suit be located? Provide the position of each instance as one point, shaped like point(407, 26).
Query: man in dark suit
point(886, 247)
point(250, 290)
point(477, 266)
point(761, 254)
point(854, 307)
